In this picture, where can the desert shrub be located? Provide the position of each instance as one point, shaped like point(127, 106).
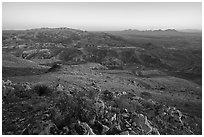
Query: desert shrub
point(69, 53)
point(112, 63)
point(72, 107)
point(129, 56)
point(125, 103)
point(54, 67)
point(20, 91)
point(42, 90)
point(107, 95)
point(85, 108)
point(15, 91)
point(95, 54)
point(8, 93)
point(146, 95)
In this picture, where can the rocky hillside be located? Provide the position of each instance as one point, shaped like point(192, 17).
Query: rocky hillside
point(88, 100)
point(176, 53)
point(63, 81)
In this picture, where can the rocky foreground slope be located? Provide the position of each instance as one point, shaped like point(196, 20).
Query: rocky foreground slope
point(74, 101)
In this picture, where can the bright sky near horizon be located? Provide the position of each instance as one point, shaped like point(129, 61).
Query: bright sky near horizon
point(102, 16)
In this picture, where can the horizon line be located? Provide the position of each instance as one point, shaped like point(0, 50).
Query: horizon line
point(162, 29)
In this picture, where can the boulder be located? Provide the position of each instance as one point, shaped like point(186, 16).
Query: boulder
point(132, 133)
point(87, 127)
point(105, 129)
point(26, 86)
point(60, 87)
point(99, 104)
point(66, 130)
point(98, 127)
point(114, 129)
point(155, 131)
point(7, 83)
point(144, 124)
point(80, 129)
point(8, 91)
point(125, 133)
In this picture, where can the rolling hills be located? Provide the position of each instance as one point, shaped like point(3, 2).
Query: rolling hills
point(143, 82)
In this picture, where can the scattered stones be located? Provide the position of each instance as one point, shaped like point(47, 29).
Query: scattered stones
point(100, 115)
point(98, 67)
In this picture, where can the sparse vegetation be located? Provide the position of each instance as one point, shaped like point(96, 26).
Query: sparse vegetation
point(74, 82)
point(42, 90)
point(146, 95)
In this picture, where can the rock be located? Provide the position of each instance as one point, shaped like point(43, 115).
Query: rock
point(41, 128)
point(177, 114)
point(8, 92)
point(113, 118)
point(59, 87)
point(155, 131)
point(134, 124)
point(125, 110)
point(108, 95)
point(125, 115)
point(92, 119)
point(80, 129)
point(132, 133)
point(26, 86)
point(151, 114)
point(105, 129)
point(129, 128)
point(144, 124)
point(127, 124)
point(117, 127)
point(98, 67)
point(98, 127)
point(66, 130)
point(125, 133)
point(73, 132)
point(7, 83)
point(99, 105)
point(86, 126)
point(106, 121)
point(25, 131)
point(114, 129)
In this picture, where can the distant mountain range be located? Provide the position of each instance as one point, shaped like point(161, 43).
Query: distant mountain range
point(191, 30)
point(167, 30)
point(160, 31)
point(127, 30)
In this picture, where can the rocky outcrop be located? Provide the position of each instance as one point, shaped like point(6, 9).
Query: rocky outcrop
point(60, 113)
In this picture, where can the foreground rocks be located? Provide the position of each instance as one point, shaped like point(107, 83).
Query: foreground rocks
point(43, 110)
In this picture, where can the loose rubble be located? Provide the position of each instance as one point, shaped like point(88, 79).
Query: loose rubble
point(59, 113)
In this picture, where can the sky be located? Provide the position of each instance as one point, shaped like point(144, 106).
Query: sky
point(102, 16)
